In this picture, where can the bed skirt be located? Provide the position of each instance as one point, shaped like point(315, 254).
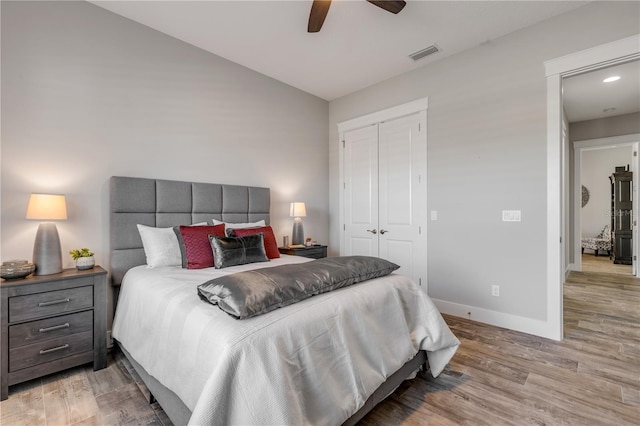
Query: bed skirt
point(180, 414)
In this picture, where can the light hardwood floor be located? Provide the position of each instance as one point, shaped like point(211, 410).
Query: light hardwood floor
point(501, 377)
point(497, 377)
point(592, 263)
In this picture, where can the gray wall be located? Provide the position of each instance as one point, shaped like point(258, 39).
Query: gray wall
point(87, 94)
point(487, 152)
point(618, 125)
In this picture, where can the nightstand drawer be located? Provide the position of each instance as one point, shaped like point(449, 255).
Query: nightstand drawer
point(33, 306)
point(50, 328)
point(50, 350)
point(313, 252)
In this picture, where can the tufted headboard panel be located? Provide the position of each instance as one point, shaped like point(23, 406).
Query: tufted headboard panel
point(165, 203)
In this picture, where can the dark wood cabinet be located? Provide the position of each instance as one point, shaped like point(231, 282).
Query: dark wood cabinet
point(622, 216)
point(51, 323)
point(313, 252)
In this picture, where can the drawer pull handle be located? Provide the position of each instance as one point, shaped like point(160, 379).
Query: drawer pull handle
point(57, 348)
point(54, 302)
point(55, 327)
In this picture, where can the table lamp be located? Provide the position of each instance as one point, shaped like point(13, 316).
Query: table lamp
point(297, 211)
point(47, 255)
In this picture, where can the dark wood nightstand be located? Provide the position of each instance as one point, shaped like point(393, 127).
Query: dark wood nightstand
point(51, 323)
point(314, 252)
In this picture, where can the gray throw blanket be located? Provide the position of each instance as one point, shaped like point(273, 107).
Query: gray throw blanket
point(250, 293)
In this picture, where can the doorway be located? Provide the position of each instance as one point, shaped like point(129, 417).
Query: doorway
point(601, 108)
point(558, 185)
point(595, 162)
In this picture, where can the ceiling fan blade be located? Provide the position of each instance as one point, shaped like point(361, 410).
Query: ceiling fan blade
point(389, 5)
point(319, 10)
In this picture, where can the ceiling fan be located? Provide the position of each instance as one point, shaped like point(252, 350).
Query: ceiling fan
point(319, 10)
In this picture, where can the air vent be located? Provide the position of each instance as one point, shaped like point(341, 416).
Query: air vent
point(424, 52)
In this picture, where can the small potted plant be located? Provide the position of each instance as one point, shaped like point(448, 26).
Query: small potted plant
point(83, 257)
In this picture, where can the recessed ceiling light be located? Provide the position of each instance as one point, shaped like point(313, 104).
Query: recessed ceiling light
point(611, 79)
point(608, 110)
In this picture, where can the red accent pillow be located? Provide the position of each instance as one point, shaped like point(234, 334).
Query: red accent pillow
point(270, 244)
point(197, 245)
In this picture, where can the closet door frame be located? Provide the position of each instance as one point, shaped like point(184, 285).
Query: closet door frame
point(409, 108)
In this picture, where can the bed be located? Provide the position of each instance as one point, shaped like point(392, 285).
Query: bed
point(328, 359)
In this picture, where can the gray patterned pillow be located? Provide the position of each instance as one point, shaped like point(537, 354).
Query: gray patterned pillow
point(231, 251)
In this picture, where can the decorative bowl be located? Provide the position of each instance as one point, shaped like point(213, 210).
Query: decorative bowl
point(15, 269)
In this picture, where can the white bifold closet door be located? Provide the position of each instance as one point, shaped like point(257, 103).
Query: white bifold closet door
point(385, 192)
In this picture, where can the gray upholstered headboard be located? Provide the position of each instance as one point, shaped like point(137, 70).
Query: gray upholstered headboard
point(165, 203)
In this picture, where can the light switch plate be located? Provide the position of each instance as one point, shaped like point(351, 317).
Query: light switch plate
point(511, 215)
point(434, 215)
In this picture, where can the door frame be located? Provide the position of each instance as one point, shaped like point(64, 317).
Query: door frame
point(605, 55)
point(366, 120)
point(632, 140)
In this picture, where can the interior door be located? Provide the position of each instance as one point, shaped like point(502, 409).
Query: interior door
point(385, 193)
point(402, 194)
point(361, 191)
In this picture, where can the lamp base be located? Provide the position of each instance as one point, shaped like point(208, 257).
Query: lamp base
point(297, 237)
point(47, 254)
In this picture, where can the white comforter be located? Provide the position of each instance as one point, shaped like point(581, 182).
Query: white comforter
point(314, 362)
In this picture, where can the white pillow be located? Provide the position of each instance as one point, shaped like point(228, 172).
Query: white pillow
point(229, 225)
point(161, 246)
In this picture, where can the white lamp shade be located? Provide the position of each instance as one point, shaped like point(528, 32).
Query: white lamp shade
point(297, 210)
point(47, 207)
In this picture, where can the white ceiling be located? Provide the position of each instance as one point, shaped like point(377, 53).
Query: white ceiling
point(358, 46)
point(586, 96)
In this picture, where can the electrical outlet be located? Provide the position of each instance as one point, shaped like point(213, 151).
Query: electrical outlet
point(495, 290)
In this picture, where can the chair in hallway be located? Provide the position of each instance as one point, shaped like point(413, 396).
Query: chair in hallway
point(602, 242)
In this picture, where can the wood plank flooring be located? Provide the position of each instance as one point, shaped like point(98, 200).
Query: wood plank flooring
point(502, 377)
point(591, 263)
point(81, 396)
point(498, 376)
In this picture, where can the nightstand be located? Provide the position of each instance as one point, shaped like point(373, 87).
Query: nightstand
point(52, 322)
point(314, 252)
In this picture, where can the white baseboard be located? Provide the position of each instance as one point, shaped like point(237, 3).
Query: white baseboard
point(499, 319)
point(570, 267)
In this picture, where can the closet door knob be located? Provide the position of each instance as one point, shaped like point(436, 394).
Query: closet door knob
point(373, 231)
point(382, 231)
